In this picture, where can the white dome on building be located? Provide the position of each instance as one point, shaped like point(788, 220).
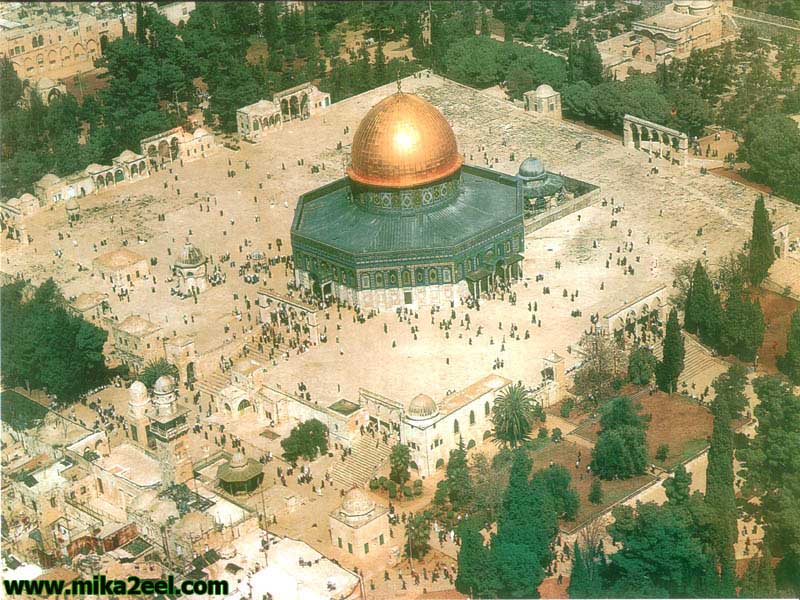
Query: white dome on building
point(138, 394)
point(422, 407)
point(71, 204)
point(544, 91)
point(164, 385)
point(357, 503)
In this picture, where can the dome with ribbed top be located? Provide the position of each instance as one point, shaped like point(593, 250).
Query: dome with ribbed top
point(403, 142)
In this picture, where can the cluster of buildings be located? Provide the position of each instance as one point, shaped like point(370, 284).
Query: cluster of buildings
point(57, 40)
point(175, 144)
point(682, 26)
point(71, 497)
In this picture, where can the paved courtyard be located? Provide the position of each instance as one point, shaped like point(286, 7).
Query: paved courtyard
point(236, 215)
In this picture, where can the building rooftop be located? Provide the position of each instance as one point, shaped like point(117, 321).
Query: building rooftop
point(136, 325)
point(131, 463)
point(296, 571)
point(670, 20)
point(88, 300)
point(118, 259)
point(490, 383)
point(486, 199)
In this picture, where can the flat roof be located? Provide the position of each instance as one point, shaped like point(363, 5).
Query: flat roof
point(490, 383)
point(131, 463)
point(671, 20)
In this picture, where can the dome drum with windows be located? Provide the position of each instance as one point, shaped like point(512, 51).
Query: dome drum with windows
point(410, 224)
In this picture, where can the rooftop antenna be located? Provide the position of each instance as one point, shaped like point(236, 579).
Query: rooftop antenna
point(399, 83)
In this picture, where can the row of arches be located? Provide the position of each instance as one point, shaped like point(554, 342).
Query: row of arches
point(118, 175)
point(267, 122)
point(164, 150)
point(295, 106)
point(79, 52)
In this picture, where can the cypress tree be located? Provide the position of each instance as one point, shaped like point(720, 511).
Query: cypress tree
point(472, 557)
point(720, 494)
point(596, 492)
point(762, 244)
point(743, 327)
point(671, 365)
point(703, 313)
point(141, 25)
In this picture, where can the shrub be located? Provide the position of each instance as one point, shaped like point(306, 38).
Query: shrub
point(407, 492)
point(566, 408)
point(542, 433)
point(374, 484)
point(662, 452)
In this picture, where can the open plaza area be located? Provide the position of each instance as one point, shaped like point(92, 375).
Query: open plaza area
point(231, 218)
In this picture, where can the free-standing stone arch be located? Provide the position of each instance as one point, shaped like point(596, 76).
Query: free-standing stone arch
point(663, 141)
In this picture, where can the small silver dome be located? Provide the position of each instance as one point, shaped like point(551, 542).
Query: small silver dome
point(422, 407)
point(531, 168)
point(164, 385)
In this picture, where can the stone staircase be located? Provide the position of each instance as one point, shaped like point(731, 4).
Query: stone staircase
point(212, 384)
point(363, 463)
point(696, 360)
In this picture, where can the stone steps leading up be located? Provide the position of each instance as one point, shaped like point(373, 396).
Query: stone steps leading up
point(212, 384)
point(363, 463)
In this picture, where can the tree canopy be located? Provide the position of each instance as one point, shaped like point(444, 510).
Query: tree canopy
point(46, 347)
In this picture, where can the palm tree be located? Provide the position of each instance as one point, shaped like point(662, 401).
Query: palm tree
point(155, 369)
point(513, 415)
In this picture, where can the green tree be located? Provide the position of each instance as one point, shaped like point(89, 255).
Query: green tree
point(661, 554)
point(677, 486)
point(400, 460)
point(671, 365)
point(155, 369)
point(472, 558)
point(771, 147)
point(308, 439)
point(772, 462)
point(10, 86)
point(789, 363)
point(762, 244)
point(759, 579)
point(703, 314)
point(45, 347)
point(513, 415)
point(457, 482)
point(720, 493)
point(418, 531)
point(596, 492)
point(557, 482)
point(585, 63)
point(621, 449)
point(641, 365)
point(743, 327)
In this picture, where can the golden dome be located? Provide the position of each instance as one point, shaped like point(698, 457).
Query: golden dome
point(403, 141)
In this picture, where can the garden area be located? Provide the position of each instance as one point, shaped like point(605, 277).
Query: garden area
point(566, 454)
point(675, 422)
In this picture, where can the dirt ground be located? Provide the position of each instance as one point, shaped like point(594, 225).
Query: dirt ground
point(682, 425)
point(777, 311)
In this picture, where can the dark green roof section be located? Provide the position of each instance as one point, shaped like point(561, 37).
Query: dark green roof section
point(487, 200)
point(344, 407)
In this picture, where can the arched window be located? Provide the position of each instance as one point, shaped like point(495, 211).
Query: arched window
point(406, 278)
point(379, 280)
point(455, 426)
point(472, 417)
point(486, 409)
point(432, 277)
point(365, 281)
